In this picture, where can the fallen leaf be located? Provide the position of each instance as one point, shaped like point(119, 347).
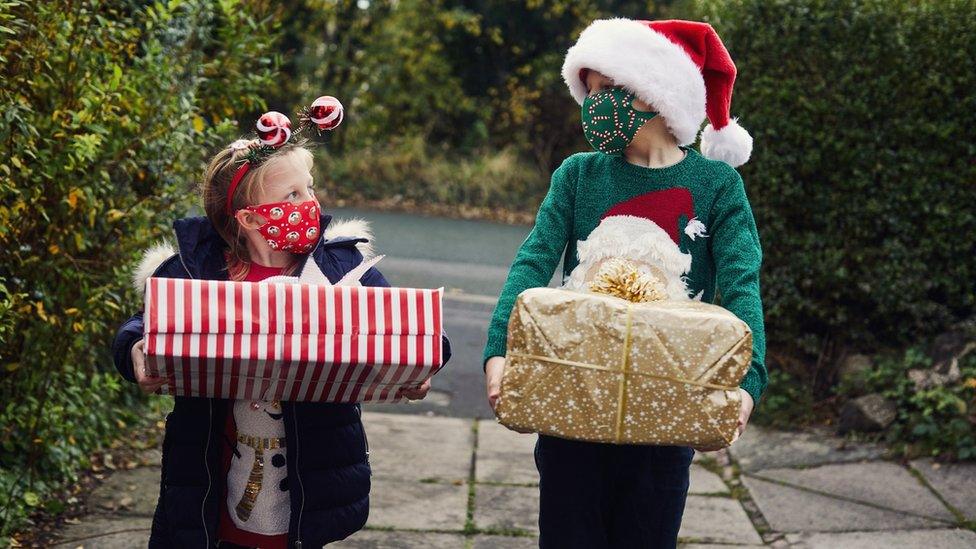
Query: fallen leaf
point(73, 198)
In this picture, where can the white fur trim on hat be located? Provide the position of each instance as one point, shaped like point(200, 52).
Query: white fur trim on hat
point(152, 258)
point(732, 144)
point(645, 62)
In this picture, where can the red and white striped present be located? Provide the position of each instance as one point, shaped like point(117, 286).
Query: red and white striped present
point(287, 341)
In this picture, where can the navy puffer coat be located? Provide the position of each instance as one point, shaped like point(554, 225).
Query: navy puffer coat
point(327, 459)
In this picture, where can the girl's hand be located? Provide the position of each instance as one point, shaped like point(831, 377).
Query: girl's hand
point(494, 369)
point(147, 383)
point(418, 392)
point(745, 410)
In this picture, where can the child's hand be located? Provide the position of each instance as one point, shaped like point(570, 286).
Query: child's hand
point(745, 410)
point(148, 384)
point(494, 369)
point(418, 392)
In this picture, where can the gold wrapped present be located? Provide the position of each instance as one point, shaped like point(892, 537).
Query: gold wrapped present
point(600, 368)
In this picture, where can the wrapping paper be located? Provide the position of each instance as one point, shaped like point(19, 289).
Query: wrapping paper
point(290, 341)
point(599, 368)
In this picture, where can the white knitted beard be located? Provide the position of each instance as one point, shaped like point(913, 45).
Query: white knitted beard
point(638, 240)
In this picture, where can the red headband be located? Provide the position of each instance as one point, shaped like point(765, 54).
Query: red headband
point(238, 175)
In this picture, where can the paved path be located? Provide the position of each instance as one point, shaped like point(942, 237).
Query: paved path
point(444, 482)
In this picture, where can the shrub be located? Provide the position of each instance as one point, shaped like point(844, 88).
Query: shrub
point(108, 108)
point(862, 175)
point(938, 421)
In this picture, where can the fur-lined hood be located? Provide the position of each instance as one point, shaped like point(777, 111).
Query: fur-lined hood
point(196, 235)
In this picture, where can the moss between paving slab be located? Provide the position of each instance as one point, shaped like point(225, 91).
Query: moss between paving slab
point(470, 529)
point(961, 520)
point(469, 526)
point(846, 498)
point(739, 493)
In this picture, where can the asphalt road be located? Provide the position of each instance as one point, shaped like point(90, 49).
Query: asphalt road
point(470, 259)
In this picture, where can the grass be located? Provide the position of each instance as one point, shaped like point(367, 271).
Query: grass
point(410, 175)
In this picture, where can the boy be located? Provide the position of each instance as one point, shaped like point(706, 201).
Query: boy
point(643, 87)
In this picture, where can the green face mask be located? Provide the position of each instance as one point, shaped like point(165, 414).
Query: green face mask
point(610, 120)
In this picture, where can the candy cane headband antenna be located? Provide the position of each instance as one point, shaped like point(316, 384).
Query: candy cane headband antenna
point(274, 130)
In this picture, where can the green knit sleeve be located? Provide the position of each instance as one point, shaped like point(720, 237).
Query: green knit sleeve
point(737, 252)
point(539, 254)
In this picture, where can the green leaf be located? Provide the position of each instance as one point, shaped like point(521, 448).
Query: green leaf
point(31, 499)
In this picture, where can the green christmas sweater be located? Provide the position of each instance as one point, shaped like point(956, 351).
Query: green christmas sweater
point(587, 185)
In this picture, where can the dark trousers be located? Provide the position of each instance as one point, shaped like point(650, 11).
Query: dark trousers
point(606, 496)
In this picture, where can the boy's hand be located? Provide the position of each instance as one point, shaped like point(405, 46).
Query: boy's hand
point(745, 410)
point(494, 369)
point(418, 392)
point(147, 383)
point(744, 413)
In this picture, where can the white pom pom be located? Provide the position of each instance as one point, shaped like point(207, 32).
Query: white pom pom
point(695, 228)
point(732, 144)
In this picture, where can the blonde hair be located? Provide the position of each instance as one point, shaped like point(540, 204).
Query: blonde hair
point(214, 188)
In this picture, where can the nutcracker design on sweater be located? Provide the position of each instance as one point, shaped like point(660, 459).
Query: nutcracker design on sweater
point(634, 253)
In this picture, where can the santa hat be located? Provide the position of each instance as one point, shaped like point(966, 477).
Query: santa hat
point(681, 68)
point(645, 227)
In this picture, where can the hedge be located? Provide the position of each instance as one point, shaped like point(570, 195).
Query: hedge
point(862, 178)
point(107, 109)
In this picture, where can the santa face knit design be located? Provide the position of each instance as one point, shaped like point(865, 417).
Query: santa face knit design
point(610, 120)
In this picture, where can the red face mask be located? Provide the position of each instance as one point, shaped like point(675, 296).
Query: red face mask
point(291, 227)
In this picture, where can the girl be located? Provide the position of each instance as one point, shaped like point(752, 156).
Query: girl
point(240, 473)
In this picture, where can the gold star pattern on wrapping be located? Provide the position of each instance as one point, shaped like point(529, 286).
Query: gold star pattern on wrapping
point(565, 373)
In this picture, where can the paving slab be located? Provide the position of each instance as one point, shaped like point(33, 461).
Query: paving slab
point(930, 539)
point(790, 509)
point(956, 482)
point(766, 449)
point(152, 457)
point(880, 483)
point(717, 519)
point(506, 508)
point(717, 546)
point(504, 455)
point(704, 481)
point(130, 492)
point(97, 532)
point(505, 542)
point(419, 447)
point(380, 539)
point(412, 505)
